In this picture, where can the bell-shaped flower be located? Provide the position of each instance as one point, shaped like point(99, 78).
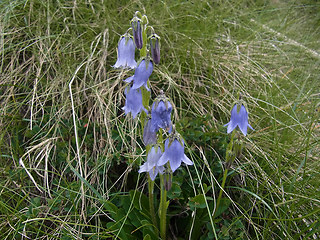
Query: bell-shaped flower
point(155, 48)
point(141, 75)
point(174, 153)
point(126, 50)
point(151, 164)
point(238, 118)
point(149, 137)
point(161, 113)
point(133, 103)
point(137, 32)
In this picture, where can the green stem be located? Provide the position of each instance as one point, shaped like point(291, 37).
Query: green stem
point(230, 156)
point(151, 203)
point(221, 191)
point(163, 209)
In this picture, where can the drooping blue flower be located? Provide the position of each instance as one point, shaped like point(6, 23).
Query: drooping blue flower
point(137, 32)
point(155, 48)
point(133, 102)
point(151, 164)
point(126, 50)
point(161, 113)
point(141, 75)
point(174, 153)
point(149, 137)
point(239, 119)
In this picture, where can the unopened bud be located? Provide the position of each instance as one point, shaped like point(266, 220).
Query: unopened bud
point(155, 48)
point(137, 32)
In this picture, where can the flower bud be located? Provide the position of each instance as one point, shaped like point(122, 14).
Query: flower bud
point(155, 48)
point(137, 32)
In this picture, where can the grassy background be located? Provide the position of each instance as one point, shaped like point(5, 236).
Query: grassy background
point(210, 50)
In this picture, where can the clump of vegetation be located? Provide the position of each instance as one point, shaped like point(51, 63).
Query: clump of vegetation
point(70, 158)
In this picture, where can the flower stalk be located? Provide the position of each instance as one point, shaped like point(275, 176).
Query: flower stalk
point(151, 203)
point(229, 159)
point(163, 208)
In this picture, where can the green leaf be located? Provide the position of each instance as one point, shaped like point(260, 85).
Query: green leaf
point(147, 237)
point(111, 208)
point(140, 201)
point(223, 206)
point(174, 192)
point(198, 201)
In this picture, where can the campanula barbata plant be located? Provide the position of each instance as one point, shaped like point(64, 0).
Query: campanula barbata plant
point(239, 118)
point(164, 156)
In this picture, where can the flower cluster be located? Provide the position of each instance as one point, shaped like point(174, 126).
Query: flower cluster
point(159, 114)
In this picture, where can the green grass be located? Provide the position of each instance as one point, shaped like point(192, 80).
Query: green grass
point(210, 50)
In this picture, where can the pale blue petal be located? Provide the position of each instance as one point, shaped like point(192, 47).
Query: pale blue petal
point(153, 173)
point(186, 160)
point(142, 74)
point(129, 79)
point(143, 168)
point(175, 163)
point(163, 160)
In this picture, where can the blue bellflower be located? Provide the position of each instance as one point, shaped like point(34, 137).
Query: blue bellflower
point(151, 164)
point(239, 119)
point(174, 153)
point(161, 115)
point(141, 75)
point(126, 50)
point(133, 102)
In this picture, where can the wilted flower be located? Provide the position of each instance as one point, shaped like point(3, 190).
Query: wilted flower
point(155, 48)
point(149, 137)
point(133, 102)
point(161, 113)
point(126, 50)
point(137, 32)
point(151, 164)
point(141, 75)
point(238, 118)
point(174, 153)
